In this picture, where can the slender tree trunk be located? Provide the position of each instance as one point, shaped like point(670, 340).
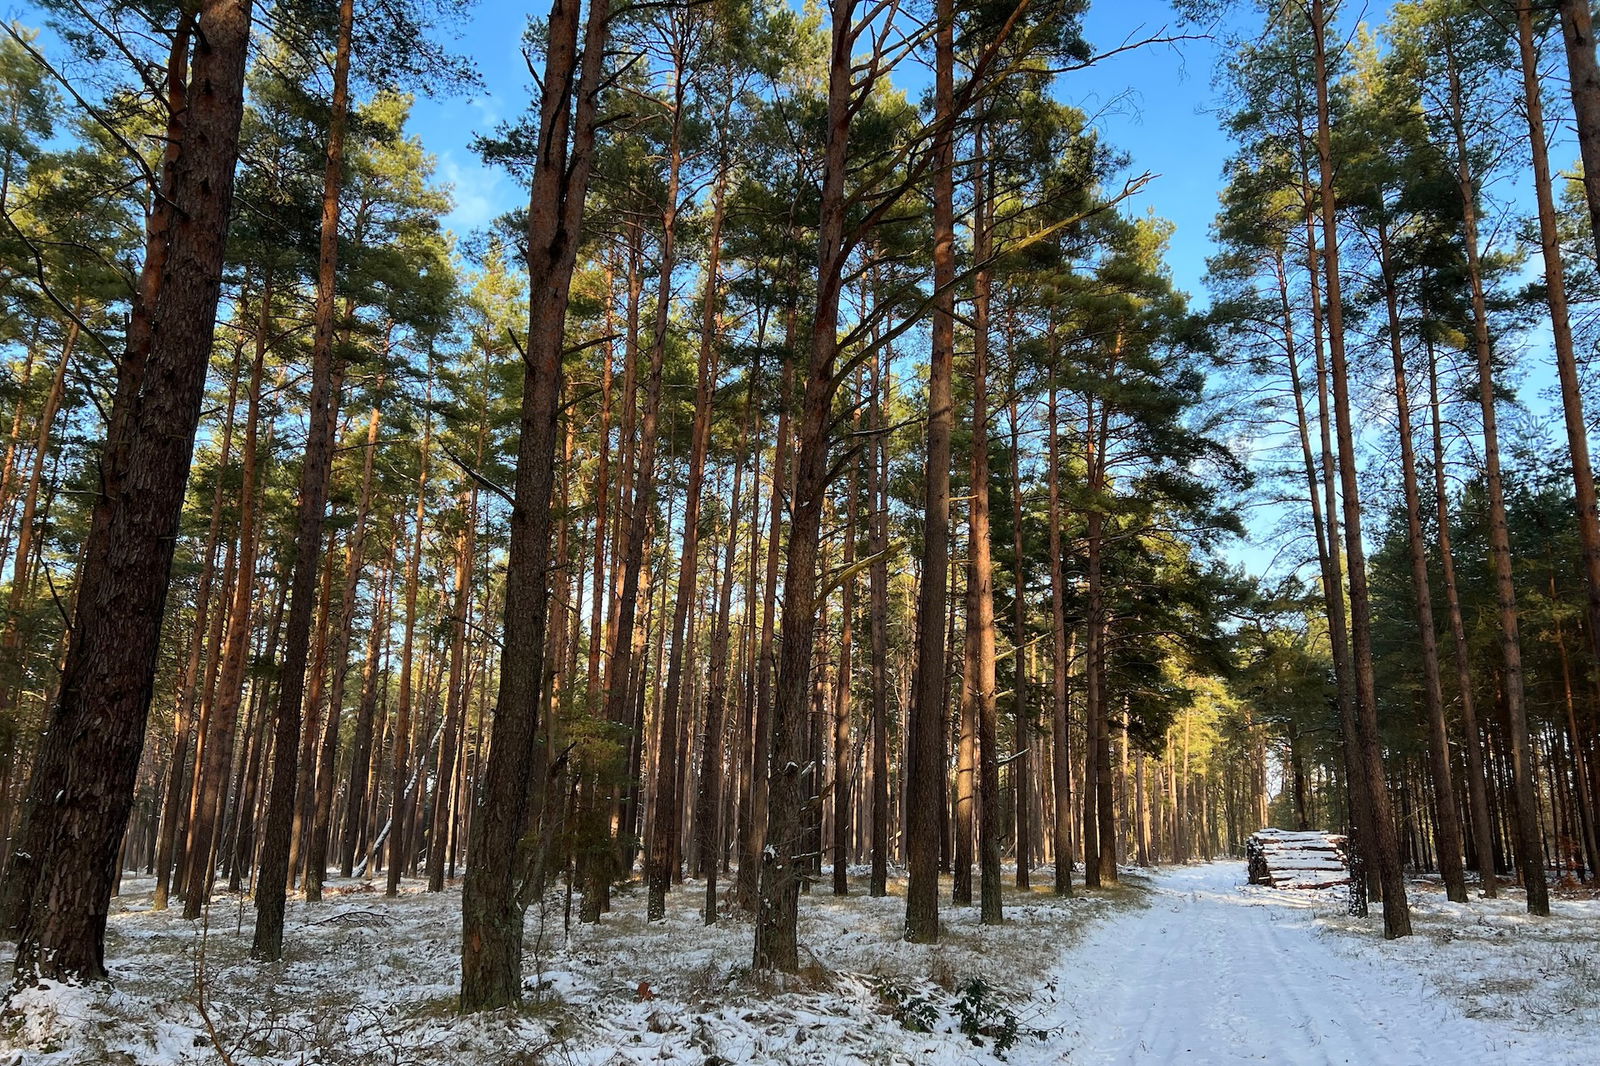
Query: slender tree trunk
point(363, 780)
point(961, 817)
point(272, 874)
point(708, 801)
point(666, 824)
point(841, 693)
point(776, 941)
point(1530, 849)
point(755, 830)
point(400, 756)
point(327, 758)
point(178, 785)
point(1577, 32)
point(456, 688)
point(878, 593)
point(217, 745)
point(923, 757)
point(1060, 723)
point(1385, 849)
point(980, 550)
point(1358, 784)
point(1021, 771)
point(1449, 827)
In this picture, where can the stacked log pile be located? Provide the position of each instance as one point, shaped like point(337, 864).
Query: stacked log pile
point(1285, 859)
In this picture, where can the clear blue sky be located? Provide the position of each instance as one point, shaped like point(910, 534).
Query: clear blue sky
point(1151, 103)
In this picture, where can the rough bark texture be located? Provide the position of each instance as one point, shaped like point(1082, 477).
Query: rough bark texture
point(776, 943)
point(923, 758)
point(82, 789)
point(491, 914)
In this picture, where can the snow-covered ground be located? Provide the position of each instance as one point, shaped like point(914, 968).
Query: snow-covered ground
point(1187, 966)
point(1216, 971)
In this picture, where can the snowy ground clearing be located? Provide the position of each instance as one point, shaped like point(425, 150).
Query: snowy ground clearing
point(1210, 971)
point(370, 980)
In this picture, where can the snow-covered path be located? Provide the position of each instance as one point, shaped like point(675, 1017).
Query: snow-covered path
point(1217, 972)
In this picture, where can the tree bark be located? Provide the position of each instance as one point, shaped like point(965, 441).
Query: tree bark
point(923, 758)
point(1060, 723)
point(1448, 828)
point(82, 788)
point(327, 758)
point(1385, 846)
point(491, 914)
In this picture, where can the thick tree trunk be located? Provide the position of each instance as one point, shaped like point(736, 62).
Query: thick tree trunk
point(81, 792)
point(491, 913)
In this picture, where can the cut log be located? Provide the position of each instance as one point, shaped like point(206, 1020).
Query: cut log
point(1285, 859)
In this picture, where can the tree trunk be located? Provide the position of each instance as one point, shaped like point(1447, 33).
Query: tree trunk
point(273, 872)
point(327, 759)
point(178, 784)
point(400, 756)
point(878, 593)
point(1449, 826)
point(923, 758)
point(755, 829)
point(1021, 771)
point(81, 792)
point(491, 914)
point(1385, 849)
point(1578, 34)
point(215, 753)
point(708, 802)
point(776, 943)
point(980, 550)
point(1060, 724)
point(665, 826)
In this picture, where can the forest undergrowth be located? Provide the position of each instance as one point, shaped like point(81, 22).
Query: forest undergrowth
point(373, 980)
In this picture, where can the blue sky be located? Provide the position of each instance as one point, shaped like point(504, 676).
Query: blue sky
point(1151, 103)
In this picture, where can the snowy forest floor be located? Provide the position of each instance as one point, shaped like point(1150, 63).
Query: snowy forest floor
point(1185, 964)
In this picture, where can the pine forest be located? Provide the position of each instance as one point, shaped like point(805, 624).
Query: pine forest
point(745, 531)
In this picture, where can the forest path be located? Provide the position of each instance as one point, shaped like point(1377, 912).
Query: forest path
point(1214, 971)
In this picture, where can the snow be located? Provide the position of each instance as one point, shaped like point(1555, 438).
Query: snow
point(1216, 971)
point(1188, 965)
